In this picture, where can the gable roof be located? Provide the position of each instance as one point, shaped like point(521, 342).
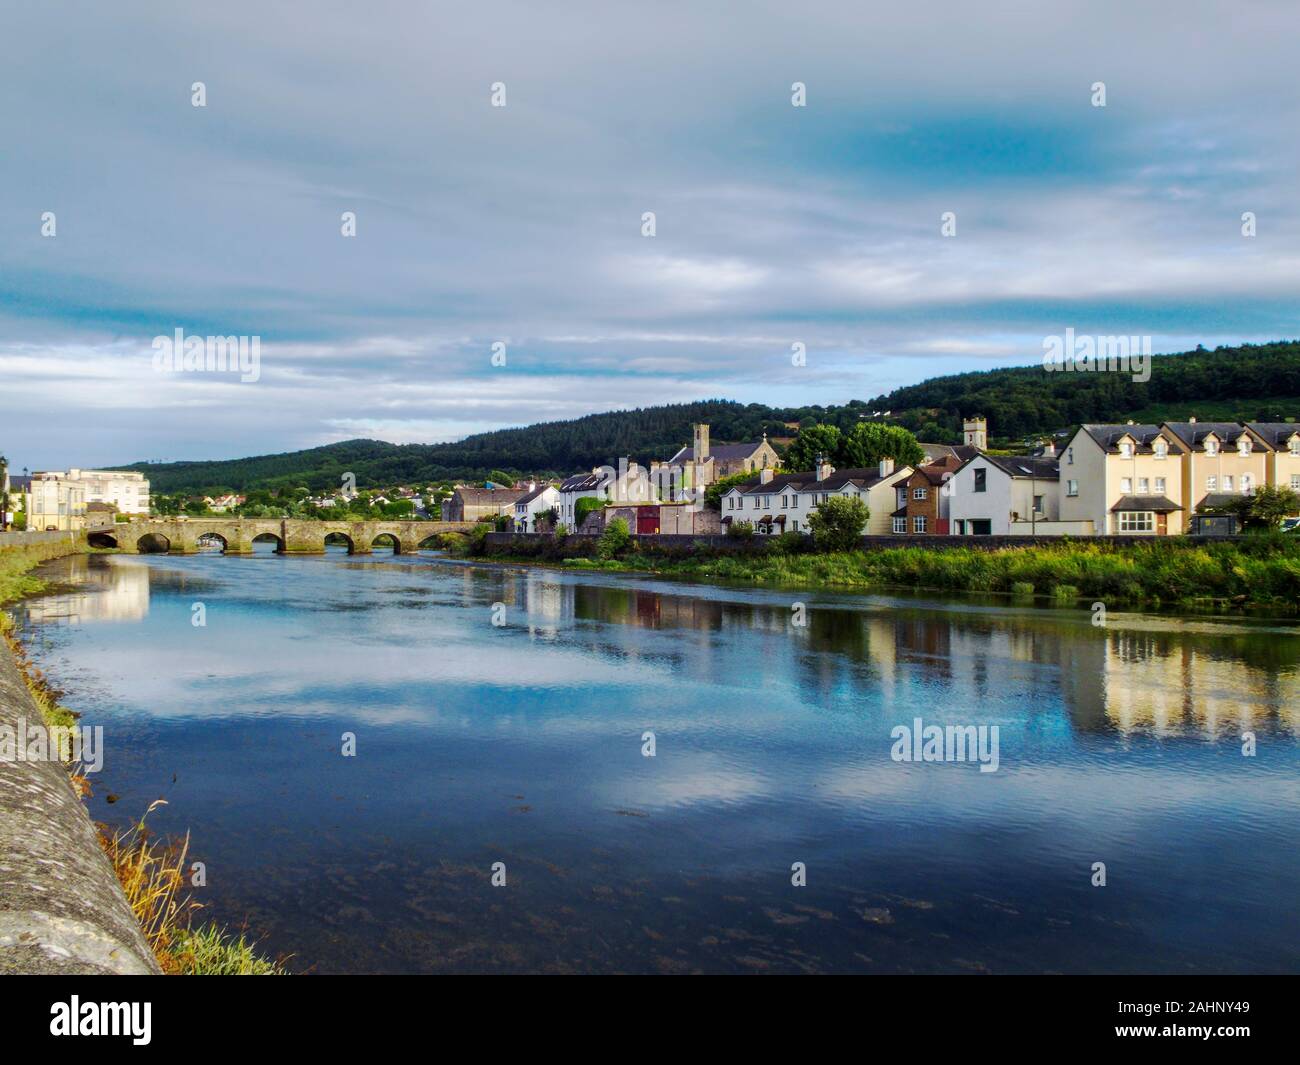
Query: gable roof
point(1274, 434)
point(934, 472)
point(1039, 469)
point(720, 451)
point(1193, 434)
point(939, 452)
point(528, 497)
point(808, 482)
point(582, 482)
point(1109, 436)
point(488, 497)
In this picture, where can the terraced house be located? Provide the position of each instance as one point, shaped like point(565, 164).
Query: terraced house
point(782, 502)
point(1124, 479)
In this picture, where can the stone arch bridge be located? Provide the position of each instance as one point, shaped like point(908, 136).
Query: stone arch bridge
point(181, 536)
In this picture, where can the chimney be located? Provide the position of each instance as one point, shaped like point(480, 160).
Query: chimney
point(886, 466)
point(765, 475)
point(532, 486)
point(701, 441)
point(1192, 420)
point(824, 468)
point(976, 432)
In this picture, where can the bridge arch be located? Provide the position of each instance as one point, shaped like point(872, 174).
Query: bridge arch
point(102, 539)
point(208, 539)
point(268, 537)
point(385, 539)
point(153, 543)
point(340, 539)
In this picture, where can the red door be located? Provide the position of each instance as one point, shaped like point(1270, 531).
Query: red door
point(647, 521)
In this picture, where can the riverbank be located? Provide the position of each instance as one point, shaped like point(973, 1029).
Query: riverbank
point(1254, 573)
point(128, 915)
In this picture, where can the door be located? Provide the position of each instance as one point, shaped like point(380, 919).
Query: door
point(1162, 524)
point(981, 526)
point(647, 521)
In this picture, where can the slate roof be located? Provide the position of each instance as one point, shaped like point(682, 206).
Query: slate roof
point(807, 482)
point(581, 482)
point(1158, 504)
point(528, 497)
point(1275, 434)
point(939, 452)
point(719, 451)
point(489, 497)
point(1193, 434)
point(1217, 500)
point(1039, 469)
point(1109, 436)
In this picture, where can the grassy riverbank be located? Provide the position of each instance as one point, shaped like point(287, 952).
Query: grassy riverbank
point(151, 872)
point(1255, 572)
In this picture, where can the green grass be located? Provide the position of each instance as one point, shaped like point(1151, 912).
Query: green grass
point(1254, 572)
point(210, 951)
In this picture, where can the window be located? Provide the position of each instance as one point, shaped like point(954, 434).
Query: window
point(785, 502)
point(1243, 444)
point(1071, 488)
point(1069, 456)
point(1293, 445)
point(918, 493)
point(1161, 449)
point(1038, 504)
point(756, 502)
point(1136, 521)
point(1126, 450)
point(900, 525)
point(918, 523)
point(1211, 483)
point(1144, 485)
point(961, 527)
point(1126, 485)
point(1227, 482)
point(1247, 483)
point(981, 479)
point(1211, 446)
point(1160, 485)
point(1295, 482)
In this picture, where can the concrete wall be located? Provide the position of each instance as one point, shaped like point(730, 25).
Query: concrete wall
point(29, 539)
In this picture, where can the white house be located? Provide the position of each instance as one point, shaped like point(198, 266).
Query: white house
point(593, 485)
point(989, 494)
point(536, 501)
point(782, 502)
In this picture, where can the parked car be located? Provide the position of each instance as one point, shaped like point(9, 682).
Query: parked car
point(1291, 525)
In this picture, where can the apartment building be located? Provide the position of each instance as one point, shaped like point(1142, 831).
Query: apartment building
point(1220, 460)
point(124, 490)
point(1281, 444)
point(55, 501)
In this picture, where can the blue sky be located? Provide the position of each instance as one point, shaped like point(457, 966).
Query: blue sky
point(522, 224)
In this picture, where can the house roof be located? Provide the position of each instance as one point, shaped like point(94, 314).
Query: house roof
point(528, 497)
point(720, 451)
point(934, 471)
point(582, 482)
point(807, 482)
point(1039, 469)
point(938, 452)
point(1275, 434)
point(1158, 504)
point(1109, 436)
point(1193, 434)
point(1216, 500)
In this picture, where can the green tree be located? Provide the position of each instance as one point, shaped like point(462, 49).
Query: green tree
point(812, 441)
point(838, 523)
point(713, 493)
point(869, 442)
point(614, 539)
point(1266, 508)
point(584, 506)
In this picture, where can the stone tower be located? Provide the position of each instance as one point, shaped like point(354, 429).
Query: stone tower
point(976, 432)
point(701, 441)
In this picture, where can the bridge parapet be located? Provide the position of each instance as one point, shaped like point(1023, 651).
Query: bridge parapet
point(292, 535)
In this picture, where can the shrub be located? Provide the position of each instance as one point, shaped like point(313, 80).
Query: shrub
point(741, 530)
point(614, 539)
point(585, 506)
point(1022, 588)
point(837, 524)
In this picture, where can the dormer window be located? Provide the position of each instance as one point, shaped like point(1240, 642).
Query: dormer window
point(1126, 450)
point(1161, 449)
point(1293, 445)
point(1211, 446)
point(1243, 445)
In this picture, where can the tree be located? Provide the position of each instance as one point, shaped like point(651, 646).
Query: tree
point(838, 523)
point(869, 442)
point(713, 493)
point(584, 506)
point(1266, 508)
point(815, 440)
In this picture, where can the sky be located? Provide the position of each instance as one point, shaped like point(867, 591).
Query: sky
point(522, 224)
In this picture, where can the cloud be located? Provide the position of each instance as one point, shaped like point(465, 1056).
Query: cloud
point(522, 224)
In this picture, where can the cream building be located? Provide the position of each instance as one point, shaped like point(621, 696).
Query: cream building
point(1281, 443)
point(1220, 460)
point(1124, 479)
point(125, 490)
point(55, 501)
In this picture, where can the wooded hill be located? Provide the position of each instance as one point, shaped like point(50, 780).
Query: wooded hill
point(1251, 382)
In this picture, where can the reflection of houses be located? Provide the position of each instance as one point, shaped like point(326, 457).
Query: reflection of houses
point(106, 591)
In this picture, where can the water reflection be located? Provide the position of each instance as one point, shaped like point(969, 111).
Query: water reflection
point(102, 592)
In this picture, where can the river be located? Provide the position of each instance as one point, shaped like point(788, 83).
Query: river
point(501, 715)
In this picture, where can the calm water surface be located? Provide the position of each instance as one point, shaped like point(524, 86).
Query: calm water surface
point(521, 743)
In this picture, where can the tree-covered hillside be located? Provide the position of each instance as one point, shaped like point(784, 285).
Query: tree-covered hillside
point(1241, 383)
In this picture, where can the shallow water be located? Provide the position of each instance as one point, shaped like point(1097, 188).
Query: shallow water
point(521, 743)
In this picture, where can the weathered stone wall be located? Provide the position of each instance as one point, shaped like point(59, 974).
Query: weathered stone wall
point(293, 536)
point(61, 907)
